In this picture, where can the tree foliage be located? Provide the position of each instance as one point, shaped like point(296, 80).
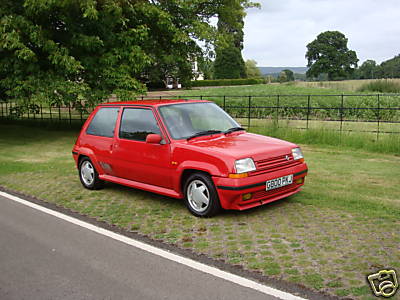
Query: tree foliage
point(390, 68)
point(69, 51)
point(229, 64)
point(229, 47)
point(289, 74)
point(252, 70)
point(329, 54)
point(368, 70)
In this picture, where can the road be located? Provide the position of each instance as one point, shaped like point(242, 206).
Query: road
point(44, 257)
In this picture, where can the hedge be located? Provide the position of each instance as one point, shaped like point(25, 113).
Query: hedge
point(224, 82)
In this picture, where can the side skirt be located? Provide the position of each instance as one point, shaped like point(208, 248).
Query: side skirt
point(141, 186)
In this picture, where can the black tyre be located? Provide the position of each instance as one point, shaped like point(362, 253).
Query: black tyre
point(201, 197)
point(88, 175)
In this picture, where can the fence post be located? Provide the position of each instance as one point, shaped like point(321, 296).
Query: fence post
point(277, 110)
point(51, 115)
point(249, 114)
point(201, 97)
point(378, 117)
point(308, 109)
point(69, 113)
point(7, 112)
point(59, 112)
point(41, 112)
point(2, 113)
point(341, 114)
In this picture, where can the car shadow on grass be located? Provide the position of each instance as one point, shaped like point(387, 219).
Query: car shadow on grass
point(142, 195)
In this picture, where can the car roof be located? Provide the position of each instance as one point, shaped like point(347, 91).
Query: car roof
point(152, 102)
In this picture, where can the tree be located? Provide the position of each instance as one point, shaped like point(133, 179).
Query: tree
point(289, 75)
point(391, 68)
point(229, 64)
point(329, 54)
point(230, 29)
point(78, 52)
point(251, 69)
point(282, 77)
point(368, 70)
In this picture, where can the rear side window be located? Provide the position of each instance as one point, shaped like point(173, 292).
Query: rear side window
point(137, 123)
point(103, 123)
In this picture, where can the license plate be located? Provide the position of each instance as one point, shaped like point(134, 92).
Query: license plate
point(279, 182)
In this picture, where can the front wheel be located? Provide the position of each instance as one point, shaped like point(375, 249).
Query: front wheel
point(201, 197)
point(88, 175)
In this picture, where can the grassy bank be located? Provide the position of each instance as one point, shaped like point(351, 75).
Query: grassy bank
point(341, 227)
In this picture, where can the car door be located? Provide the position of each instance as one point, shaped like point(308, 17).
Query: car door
point(136, 160)
point(99, 136)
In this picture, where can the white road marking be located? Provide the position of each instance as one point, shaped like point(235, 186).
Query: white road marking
point(160, 252)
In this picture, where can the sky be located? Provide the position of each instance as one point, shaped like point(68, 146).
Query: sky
point(277, 34)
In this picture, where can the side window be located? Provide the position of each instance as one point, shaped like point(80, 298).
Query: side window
point(137, 123)
point(103, 123)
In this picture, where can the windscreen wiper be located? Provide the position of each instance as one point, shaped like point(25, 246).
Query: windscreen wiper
point(206, 132)
point(233, 129)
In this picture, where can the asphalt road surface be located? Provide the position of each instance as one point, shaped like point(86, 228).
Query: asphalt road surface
point(44, 257)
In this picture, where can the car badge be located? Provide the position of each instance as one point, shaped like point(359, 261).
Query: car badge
point(287, 157)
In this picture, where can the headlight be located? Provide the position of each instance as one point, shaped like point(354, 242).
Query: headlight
point(244, 165)
point(297, 154)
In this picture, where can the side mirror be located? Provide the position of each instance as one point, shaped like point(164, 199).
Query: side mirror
point(153, 138)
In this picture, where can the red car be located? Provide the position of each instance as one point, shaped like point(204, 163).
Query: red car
point(186, 149)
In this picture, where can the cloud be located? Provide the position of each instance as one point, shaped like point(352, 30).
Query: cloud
point(277, 34)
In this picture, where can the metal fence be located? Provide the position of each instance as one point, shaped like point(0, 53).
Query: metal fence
point(376, 113)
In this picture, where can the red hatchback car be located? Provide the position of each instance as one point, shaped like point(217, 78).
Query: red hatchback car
point(186, 149)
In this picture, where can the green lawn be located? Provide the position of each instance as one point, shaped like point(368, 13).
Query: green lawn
point(293, 102)
point(341, 227)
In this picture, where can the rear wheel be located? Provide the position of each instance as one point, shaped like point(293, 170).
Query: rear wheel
point(88, 175)
point(201, 197)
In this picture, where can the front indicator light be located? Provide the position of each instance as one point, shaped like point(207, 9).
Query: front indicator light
point(300, 180)
point(241, 175)
point(246, 197)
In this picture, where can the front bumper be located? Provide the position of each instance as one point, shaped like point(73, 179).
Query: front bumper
point(230, 191)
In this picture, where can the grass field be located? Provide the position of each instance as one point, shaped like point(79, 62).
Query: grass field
point(298, 102)
point(287, 102)
point(327, 133)
point(341, 227)
point(343, 86)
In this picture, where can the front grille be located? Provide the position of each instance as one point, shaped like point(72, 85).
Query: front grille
point(274, 164)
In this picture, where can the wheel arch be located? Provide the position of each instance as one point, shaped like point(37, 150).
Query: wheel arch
point(85, 152)
point(186, 174)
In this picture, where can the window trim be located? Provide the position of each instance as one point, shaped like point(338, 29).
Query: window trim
point(142, 108)
point(94, 116)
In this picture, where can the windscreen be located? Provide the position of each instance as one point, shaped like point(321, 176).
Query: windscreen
point(183, 120)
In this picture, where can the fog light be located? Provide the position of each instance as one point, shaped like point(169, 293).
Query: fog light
point(246, 197)
point(300, 180)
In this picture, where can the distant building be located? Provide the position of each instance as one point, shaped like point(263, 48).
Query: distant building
point(197, 74)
